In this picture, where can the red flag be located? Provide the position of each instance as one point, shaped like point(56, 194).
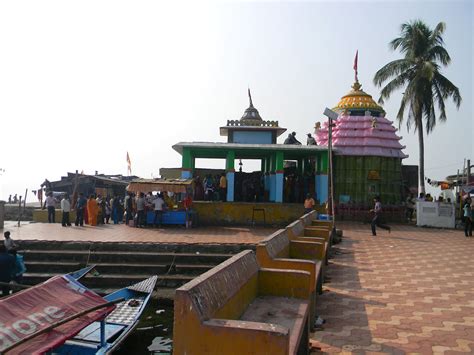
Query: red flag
point(355, 60)
point(355, 64)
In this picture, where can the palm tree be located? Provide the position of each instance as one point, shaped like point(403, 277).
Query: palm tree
point(419, 74)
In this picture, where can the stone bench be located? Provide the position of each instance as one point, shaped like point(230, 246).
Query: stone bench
point(298, 231)
point(278, 252)
point(239, 308)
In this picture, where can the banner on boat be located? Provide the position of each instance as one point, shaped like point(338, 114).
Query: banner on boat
point(28, 312)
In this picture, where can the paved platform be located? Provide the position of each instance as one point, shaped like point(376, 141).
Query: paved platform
point(411, 291)
point(123, 233)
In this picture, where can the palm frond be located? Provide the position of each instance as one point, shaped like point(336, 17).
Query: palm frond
point(393, 85)
point(428, 108)
point(436, 37)
point(448, 89)
point(439, 53)
point(440, 100)
point(401, 110)
point(391, 69)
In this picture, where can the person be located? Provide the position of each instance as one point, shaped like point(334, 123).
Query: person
point(159, 204)
point(141, 210)
point(410, 203)
point(92, 210)
point(421, 198)
point(198, 189)
point(128, 208)
point(50, 204)
point(223, 187)
point(208, 188)
point(108, 210)
point(80, 205)
point(15, 198)
point(308, 203)
point(310, 140)
point(116, 209)
point(428, 198)
point(19, 269)
point(7, 267)
point(467, 218)
point(377, 210)
point(10, 199)
point(65, 208)
point(9, 243)
point(101, 205)
point(188, 204)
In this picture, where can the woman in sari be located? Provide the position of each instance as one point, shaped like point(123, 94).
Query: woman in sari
point(92, 210)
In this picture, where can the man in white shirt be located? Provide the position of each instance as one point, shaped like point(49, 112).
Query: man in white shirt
point(159, 207)
point(141, 216)
point(50, 204)
point(9, 243)
point(376, 220)
point(65, 208)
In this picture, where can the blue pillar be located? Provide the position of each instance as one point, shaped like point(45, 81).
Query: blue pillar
point(321, 187)
point(272, 187)
point(279, 187)
point(279, 157)
point(230, 186)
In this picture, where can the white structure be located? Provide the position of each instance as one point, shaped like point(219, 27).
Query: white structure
point(435, 214)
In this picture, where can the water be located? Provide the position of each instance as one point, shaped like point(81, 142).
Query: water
point(151, 325)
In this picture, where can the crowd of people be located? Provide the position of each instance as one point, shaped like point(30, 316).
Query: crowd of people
point(96, 210)
point(211, 188)
point(250, 187)
point(12, 266)
point(13, 199)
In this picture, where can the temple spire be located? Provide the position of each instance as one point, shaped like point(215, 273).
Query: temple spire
point(250, 98)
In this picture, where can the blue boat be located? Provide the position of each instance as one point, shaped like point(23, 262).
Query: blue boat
point(107, 336)
point(120, 312)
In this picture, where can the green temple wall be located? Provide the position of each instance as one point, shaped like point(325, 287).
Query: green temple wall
point(360, 179)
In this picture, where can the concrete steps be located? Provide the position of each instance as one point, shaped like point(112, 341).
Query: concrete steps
point(122, 264)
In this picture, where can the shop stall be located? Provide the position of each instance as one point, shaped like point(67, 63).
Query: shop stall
point(174, 192)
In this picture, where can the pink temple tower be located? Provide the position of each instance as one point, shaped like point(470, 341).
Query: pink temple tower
point(368, 153)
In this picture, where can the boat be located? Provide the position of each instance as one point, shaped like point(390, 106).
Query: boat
point(62, 316)
point(79, 274)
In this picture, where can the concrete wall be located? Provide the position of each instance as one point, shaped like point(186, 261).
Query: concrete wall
point(11, 213)
point(240, 213)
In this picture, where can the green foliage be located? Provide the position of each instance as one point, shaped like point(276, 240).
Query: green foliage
point(418, 72)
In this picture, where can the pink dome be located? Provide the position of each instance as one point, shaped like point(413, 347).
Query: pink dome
point(363, 136)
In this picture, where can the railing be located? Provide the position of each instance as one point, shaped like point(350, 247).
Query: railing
point(249, 122)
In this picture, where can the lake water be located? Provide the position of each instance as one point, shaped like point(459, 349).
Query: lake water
point(156, 321)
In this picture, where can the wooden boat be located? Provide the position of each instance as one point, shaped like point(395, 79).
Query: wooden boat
point(79, 274)
point(80, 321)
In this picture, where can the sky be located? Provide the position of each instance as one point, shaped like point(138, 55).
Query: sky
point(83, 83)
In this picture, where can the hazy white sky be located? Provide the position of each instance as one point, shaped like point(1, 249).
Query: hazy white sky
point(82, 83)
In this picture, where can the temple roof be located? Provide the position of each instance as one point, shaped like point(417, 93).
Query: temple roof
point(251, 121)
point(251, 113)
point(363, 136)
point(357, 99)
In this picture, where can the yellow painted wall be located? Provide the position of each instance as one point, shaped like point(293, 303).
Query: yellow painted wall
point(40, 215)
point(240, 213)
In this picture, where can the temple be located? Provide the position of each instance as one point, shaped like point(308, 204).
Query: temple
point(368, 153)
point(251, 137)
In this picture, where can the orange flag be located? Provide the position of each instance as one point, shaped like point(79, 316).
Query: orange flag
point(129, 165)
